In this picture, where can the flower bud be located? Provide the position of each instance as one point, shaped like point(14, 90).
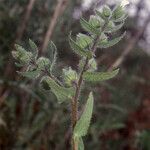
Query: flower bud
point(92, 65)
point(22, 55)
point(106, 11)
point(70, 76)
point(96, 21)
point(83, 40)
point(43, 62)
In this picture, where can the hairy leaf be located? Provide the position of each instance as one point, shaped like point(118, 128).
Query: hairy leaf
point(52, 54)
point(88, 27)
point(62, 93)
point(122, 19)
point(118, 12)
point(99, 76)
point(111, 42)
point(34, 48)
point(83, 123)
point(114, 28)
point(30, 74)
point(78, 50)
point(19, 64)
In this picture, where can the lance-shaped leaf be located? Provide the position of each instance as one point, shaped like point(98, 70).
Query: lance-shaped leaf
point(114, 28)
point(110, 43)
point(88, 27)
point(118, 12)
point(105, 13)
point(78, 50)
point(19, 64)
point(83, 123)
point(52, 50)
point(99, 76)
point(30, 74)
point(123, 18)
point(62, 93)
point(34, 48)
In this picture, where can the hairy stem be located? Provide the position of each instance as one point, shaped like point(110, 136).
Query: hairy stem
point(74, 101)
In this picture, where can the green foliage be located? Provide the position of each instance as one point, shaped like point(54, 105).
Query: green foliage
point(107, 44)
point(78, 49)
point(83, 123)
point(118, 13)
point(34, 48)
point(97, 27)
point(92, 64)
point(22, 55)
point(106, 12)
point(61, 92)
point(70, 76)
point(87, 26)
point(99, 76)
point(30, 74)
point(52, 54)
point(94, 21)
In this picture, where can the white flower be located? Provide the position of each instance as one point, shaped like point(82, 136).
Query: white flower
point(124, 3)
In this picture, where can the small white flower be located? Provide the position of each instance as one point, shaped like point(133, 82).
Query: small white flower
point(124, 3)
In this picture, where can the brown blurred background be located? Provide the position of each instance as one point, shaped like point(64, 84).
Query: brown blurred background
point(31, 119)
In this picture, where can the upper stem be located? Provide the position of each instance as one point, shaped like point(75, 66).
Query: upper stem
point(74, 102)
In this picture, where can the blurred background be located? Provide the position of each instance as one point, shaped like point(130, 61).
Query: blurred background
point(31, 119)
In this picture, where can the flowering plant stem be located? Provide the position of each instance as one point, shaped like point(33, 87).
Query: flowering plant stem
point(74, 101)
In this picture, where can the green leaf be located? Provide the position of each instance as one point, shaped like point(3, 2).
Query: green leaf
point(98, 13)
point(118, 12)
point(110, 43)
point(83, 123)
point(34, 48)
point(52, 54)
point(99, 76)
point(114, 28)
point(62, 93)
point(121, 19)
point(30, 74)
point(104, 13)
point(18, 64)
point(78, 50)
point(88, 27)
